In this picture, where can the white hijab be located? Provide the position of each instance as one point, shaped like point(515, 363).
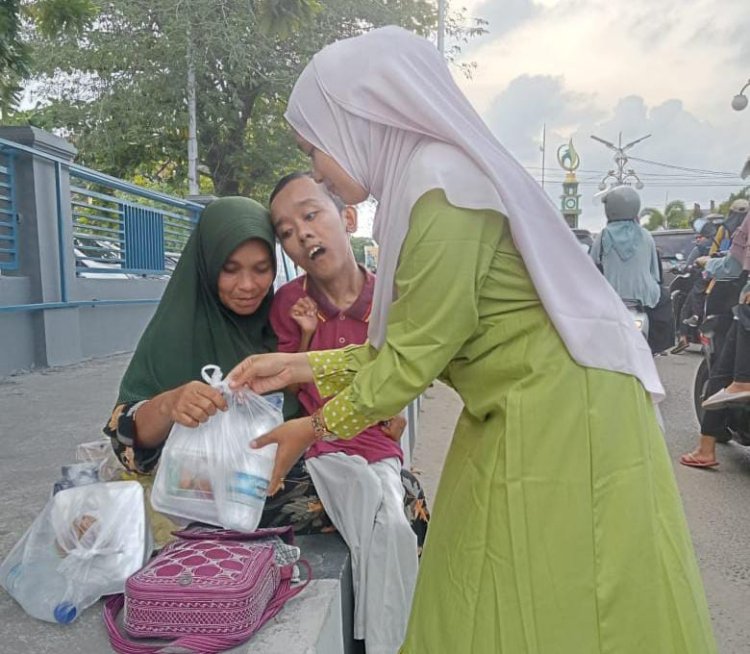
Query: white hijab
point(385, 107)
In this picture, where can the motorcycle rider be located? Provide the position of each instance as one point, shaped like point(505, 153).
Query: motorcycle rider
point(691, 310)
point(729, 383)
point(626, 254)
point(721, 267)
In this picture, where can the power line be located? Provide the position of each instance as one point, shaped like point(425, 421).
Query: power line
point(692, 170)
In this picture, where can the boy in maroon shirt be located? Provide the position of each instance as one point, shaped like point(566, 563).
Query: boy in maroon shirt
point(358, 480)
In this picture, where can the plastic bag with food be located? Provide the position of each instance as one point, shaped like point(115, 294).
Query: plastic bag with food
point(85, 543)
point(210, 473)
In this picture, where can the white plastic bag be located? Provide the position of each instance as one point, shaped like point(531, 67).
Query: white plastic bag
point(210, 473)
point(101, 453)
point(85, 543)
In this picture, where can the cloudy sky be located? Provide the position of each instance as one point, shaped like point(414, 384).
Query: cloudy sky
point(663, 67)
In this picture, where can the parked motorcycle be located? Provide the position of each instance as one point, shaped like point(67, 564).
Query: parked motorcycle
point(721, 297)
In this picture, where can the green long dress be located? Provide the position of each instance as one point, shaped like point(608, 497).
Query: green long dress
point(557, 527)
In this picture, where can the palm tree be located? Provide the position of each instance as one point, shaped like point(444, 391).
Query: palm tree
point(674, 216)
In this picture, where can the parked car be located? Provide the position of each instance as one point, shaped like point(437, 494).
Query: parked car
point(673, 246)
point(585, 238)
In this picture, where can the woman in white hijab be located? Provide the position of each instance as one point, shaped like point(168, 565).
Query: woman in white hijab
point(557, 527)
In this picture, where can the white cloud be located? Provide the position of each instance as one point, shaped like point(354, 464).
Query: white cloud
point(584, 67)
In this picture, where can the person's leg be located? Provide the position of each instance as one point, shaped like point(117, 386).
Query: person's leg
point(391, 566)
point(741, 381)
point(351, 494)
point(714, 423)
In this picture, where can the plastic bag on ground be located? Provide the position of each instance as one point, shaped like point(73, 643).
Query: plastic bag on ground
point(85, 544)
point(209, 473)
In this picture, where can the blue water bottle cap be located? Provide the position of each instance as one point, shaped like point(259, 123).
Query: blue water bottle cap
point(65, 613)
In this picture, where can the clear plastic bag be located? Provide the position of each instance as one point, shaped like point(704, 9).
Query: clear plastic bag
point(85, 544)
point(210, 473)
point(100, 452)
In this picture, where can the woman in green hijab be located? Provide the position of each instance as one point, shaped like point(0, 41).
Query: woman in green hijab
point(215, 311)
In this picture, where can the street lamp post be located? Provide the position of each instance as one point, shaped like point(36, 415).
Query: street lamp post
point(739, 101)
point(441, 27)
point(620, 175)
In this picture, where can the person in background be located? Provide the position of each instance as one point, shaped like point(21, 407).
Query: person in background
point(718, 264)
point(626, 254)
point(359, 479)
point(729, 383)
point(691, 312)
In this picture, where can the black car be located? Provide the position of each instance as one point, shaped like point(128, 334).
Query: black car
point(673, 246)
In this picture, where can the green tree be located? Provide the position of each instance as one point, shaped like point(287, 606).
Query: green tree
point(118, 88)
point(674, 216)
point(17, 19)
point(742, 193)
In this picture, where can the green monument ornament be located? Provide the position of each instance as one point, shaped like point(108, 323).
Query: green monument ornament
point(569, 161)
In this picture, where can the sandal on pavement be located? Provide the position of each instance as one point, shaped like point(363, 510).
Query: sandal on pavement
point(680, 347)
point(691, 462)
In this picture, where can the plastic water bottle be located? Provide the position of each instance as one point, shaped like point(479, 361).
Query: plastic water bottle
point(247, 483)
point(41, 591)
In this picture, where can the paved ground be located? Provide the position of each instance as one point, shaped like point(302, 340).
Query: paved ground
point(43, 415)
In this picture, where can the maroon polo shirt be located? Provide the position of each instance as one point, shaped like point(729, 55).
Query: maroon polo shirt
point(336, 329)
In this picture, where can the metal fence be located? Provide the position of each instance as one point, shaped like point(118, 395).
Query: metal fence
point(8, 212)
point(123, 230)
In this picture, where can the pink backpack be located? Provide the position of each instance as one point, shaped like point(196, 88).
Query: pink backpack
point(209, 589)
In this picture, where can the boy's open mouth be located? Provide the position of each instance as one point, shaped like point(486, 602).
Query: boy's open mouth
point(316, 251)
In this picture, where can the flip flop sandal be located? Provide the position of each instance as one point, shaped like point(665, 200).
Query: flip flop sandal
point(691, 462)
point(680, 347)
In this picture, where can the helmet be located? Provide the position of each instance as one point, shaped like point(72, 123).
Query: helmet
point(740, 205)
point(708, 230)
point(621, 203)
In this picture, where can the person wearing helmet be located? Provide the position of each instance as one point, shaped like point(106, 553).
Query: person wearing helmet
point(691, 311)
point(625, 252)
point(726, 267)
point(703, 242)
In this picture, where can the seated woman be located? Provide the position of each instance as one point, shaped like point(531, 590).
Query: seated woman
point(214, 310)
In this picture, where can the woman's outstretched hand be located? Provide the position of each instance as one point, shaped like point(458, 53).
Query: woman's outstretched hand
point(292, 438)
point(264, 373)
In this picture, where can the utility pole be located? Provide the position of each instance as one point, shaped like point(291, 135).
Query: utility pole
point(441, 27)
point(193, 187)
point(543, 148)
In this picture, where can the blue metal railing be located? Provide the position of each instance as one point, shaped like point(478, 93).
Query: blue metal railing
point(123, 230)
point(8, 212)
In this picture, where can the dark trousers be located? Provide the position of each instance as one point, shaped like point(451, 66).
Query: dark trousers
point(693, 306)
point(661, 324)
point(732, 364)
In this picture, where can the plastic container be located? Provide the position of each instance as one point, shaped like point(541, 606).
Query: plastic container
point(241, 505)
point(42, 592)
point(210, 473)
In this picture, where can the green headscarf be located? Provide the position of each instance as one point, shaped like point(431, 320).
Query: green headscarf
point(191, 327)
